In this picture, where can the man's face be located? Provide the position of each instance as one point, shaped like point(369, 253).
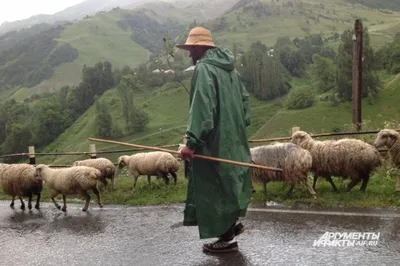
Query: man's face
point(196, 53)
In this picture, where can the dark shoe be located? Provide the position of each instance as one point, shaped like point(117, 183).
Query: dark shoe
point(239, 228)
point(221, 246)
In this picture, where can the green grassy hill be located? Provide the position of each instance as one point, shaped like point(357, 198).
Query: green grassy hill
point(97, 38)
point(187, 11)
point(266, 20)
point(168, 110)
point(322, 117)
point(101, 38)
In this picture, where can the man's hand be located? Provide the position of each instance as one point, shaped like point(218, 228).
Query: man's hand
point(186, 153)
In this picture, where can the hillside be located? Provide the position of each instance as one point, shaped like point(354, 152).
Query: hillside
point(96, 39)
point(72, 13)
point(168, 111)
point(323, 117)
point(187, 11)
point(121, 36)
point(129, 37)
point(266, 20)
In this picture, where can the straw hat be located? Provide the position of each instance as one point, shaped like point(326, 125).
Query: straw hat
point(197, 36)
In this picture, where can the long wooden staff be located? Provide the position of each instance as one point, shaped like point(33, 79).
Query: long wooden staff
point(195, 155)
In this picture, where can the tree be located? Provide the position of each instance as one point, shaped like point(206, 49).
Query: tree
point(104, 127)
point(263, 73)
point(389, 56)
point(290, 56)
point(18, 139)
point(300, 98)
point(343, 79)
point(135, 118)
point(323, 73)
point(50, 121)
point(125, 92)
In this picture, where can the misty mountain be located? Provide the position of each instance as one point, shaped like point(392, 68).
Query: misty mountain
point(72, 13)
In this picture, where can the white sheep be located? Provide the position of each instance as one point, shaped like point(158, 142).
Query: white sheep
point(156, 163)
point(294, 161)
point(390, 139)
point(105, 166)
point(19, 180)
point(70, 181)
point(348, 158)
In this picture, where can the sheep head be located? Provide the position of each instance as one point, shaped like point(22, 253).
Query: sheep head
point(38, 170)
point(300, 138)
point(122, 161)
point(386, 137)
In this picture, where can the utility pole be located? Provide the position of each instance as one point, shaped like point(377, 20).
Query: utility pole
point(357, 73)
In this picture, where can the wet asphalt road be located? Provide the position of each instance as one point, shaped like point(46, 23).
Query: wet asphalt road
point(154, 236)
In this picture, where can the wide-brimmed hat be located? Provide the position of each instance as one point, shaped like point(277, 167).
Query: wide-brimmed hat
point(198, 36)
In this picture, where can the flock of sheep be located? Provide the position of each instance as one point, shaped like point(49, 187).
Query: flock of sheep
point(26, 180)
point(348, 158)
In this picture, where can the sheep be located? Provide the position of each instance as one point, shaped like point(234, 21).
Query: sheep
point(348, 158)
point(19, 180)
point(156, 163)
point(105, 166)
point(391, 139)
point(293, 160)
point(69, 181)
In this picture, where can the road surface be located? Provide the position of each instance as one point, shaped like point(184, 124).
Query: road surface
point(118, 235)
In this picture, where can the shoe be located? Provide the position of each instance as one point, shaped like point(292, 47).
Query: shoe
point(239, 228)
point(221, 246)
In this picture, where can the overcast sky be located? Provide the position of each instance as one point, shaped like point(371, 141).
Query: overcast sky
point(11, 10)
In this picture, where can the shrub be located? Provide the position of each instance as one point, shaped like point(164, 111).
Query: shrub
point(300, 98)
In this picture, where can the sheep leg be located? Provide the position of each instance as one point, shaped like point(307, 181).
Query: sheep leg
point(22, 203)
point(135, 179)
point(166, 178)
point(289, 193)
point(37, 206)
point(55, 203)
point(332, 184)
point(64, 208)
point(352, 184)
point(105, 183)
point(310, 189)
point(12, 203)
point(113, 181)
point(97, 193)
point(364, 183)
point(315, 181)
point(30, 201)
point(175, 177)
point(87, 196)
point(265, 188)
point(148, 180)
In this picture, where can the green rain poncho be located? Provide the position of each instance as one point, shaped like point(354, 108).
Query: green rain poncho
point(218, 193)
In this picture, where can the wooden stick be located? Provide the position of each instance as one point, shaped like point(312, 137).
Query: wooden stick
point(195, 155)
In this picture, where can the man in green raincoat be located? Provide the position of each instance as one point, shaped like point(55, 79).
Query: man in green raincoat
point(218, 193)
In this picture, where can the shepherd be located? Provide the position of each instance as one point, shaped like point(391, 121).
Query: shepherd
point(218, 193)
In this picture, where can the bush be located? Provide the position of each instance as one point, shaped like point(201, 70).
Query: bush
point(300, 98)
